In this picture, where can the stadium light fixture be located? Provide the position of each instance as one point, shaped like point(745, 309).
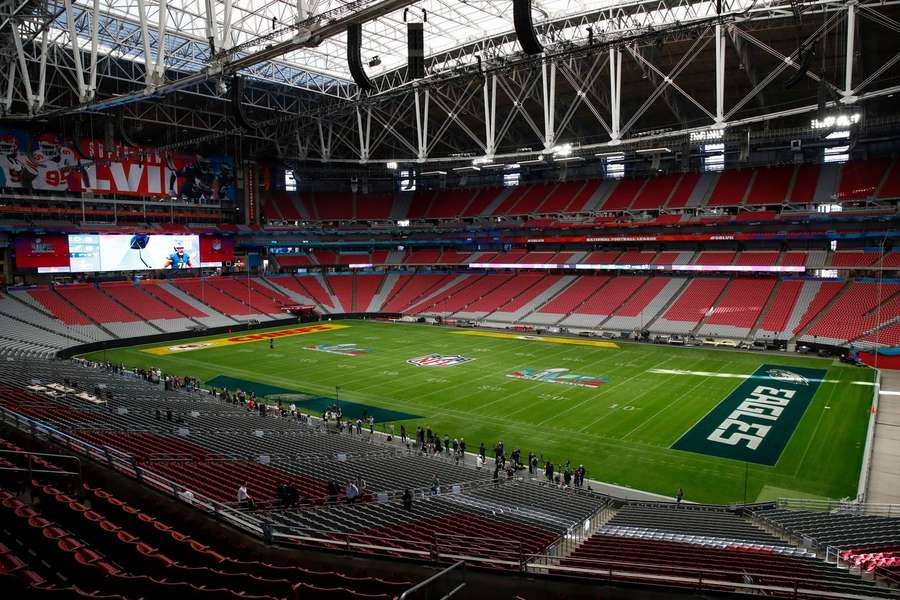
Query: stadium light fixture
point(562, 150)
point(838, 135)
point(707, 135)
point(836, 121)
point(659, 150)
point(392, 165)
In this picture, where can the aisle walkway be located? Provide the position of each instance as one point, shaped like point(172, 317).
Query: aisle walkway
point(884, 478)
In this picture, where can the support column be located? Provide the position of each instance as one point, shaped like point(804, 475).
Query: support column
point(324, 141)
point(95, 42)
point(615, 93)
point(422, 124)
point(23, 67)
point(145, 36)
point(76, 51)
point(42, 71)
point(159, 68)
point(302, 146)
point(549, 89)
point(10, 82)
point(364, 134)
point(847, 92)
point(225, 42)
point(490, 116)
point(720, 74)
point(211, 36)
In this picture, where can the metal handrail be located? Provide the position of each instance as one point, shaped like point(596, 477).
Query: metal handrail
point(461, 565)
point(842, 506)
point(792, 586)
point(125, 464)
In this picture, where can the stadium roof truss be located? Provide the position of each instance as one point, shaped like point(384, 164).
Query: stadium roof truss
point(481, 95)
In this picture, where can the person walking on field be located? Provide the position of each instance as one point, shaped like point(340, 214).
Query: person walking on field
point(679, 496)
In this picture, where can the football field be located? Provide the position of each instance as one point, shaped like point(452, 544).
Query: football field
point(722, 424)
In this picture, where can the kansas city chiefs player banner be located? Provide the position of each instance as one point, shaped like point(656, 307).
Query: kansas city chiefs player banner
point(49, 163)
point(45, 165)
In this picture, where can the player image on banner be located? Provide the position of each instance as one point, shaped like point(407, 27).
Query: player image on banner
point(51, 165)
point(12, 162)
point(143, 251)
point(179, 259)
point(202, 180)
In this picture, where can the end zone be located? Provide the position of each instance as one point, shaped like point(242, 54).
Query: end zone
point(241, 339)
point(539, 338)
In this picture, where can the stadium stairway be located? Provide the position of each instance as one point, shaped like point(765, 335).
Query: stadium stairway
point(288, 286)
point(385, 289)
point(691, 306)
point(182, 317)
point(235, 289)
point(646, 303)
point(522, 314)
point(439, 294)
point(64, 311)
point(144, 325)
point(497, 292)
point(313, 286)
point(598, 307)
point(783, 299)
point(22, 324)
point(103, 547)
point(677, 540)
point(413, 289)
point(829, 294)
point(365, 287)
point(568, 305)
point(631, 292)
point(837, 529)
point(211, 318)
point(333, 298)
point(737, 309)
point(100, 309)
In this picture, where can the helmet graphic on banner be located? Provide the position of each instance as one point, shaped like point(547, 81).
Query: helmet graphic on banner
point(8, 144)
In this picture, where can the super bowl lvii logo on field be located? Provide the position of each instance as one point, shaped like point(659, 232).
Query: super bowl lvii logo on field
point(439, 360)
point(559, 375)
point(342, 349)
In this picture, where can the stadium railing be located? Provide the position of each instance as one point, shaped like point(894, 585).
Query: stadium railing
point(841, 506)
point(832, 554)
point(442, 580)
point(575, 535)
point(504, 554)
point(866, 469)
point(611, 571)
point(126, 465)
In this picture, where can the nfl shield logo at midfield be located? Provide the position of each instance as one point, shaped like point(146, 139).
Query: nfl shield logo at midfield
point(439, 360)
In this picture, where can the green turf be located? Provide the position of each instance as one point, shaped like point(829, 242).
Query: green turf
point(622, 431)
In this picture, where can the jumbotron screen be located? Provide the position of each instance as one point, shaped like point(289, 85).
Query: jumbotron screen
point(85, 253)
